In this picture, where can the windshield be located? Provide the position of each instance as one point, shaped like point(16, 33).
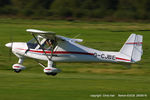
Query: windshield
point(32, 44)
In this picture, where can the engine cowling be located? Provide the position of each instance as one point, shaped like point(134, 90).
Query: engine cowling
point(51, 71)
point(18, 67)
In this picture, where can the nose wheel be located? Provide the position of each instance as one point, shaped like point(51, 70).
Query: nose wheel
point(18, 68)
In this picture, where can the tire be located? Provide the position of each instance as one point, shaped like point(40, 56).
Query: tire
point(17, 70)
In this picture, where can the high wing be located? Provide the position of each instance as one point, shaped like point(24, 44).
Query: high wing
point(52, 35)
point(44, 34)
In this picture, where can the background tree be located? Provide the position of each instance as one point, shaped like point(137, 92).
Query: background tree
point(120, 9)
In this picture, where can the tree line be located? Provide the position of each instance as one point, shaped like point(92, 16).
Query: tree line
point(121, 9)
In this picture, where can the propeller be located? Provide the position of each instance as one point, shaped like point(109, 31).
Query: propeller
point(10, 46)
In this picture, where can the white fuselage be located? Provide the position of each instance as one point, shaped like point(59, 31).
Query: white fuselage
point(69, 51)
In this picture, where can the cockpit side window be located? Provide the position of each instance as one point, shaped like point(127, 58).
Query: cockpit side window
point(49, 44)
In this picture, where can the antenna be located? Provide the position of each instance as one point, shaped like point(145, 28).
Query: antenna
point(76, 36)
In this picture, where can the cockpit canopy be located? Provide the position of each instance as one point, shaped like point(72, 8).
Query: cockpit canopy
point(45, 43)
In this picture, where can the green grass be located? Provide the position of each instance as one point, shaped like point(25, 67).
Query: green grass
point(77, 81)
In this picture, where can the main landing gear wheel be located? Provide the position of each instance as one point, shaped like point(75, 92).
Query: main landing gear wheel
point(51, 71)
point(53, 74)
point(17, 70)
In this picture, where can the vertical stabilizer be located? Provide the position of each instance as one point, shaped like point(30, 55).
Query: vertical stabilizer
point(133, 47)
point(128, 46)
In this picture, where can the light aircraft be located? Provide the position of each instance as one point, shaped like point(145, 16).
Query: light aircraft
point(53, 48)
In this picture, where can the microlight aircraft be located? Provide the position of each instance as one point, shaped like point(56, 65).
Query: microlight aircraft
point(53, 48)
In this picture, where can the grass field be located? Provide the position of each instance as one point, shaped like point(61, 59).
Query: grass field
point(77, 81)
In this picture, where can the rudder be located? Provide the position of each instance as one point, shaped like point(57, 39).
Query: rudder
point(137, 50)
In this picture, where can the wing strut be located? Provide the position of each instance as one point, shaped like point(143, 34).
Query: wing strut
point(41, 47)
point(41, 64)
point(53, 46)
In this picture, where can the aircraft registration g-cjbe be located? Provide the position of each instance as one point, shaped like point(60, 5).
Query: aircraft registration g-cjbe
point(55, 48)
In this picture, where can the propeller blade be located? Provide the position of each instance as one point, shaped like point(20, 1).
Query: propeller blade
point(10, 45)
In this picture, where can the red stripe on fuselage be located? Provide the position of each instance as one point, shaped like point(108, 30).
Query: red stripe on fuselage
point(62, 52)
point(122, 59)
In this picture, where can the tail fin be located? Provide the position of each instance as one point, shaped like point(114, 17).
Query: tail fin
point(133, 47)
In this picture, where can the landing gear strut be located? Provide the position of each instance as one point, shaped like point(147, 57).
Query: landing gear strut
point(18, 67)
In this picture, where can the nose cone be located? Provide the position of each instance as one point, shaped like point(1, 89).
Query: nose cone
point(9, 45)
